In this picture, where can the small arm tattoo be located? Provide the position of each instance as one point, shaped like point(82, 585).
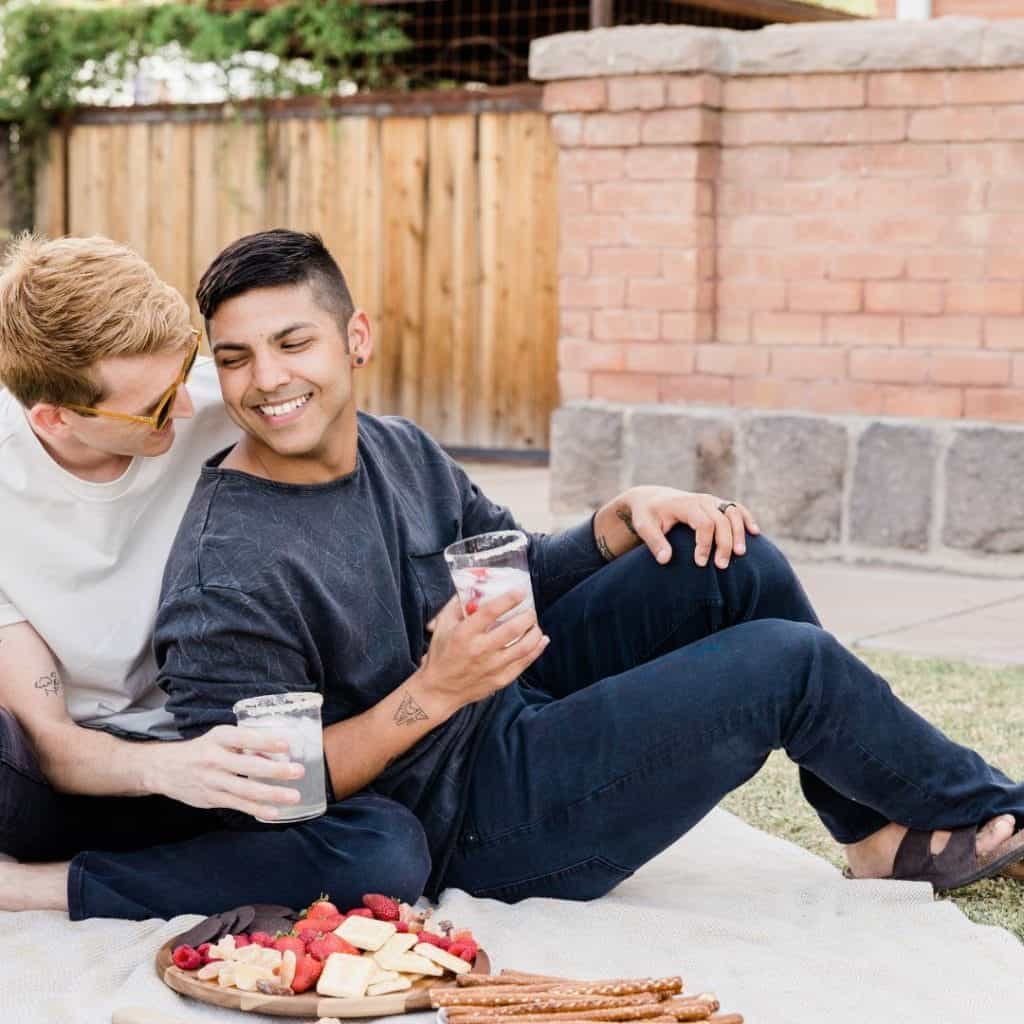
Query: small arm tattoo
point(51, 684)
point(409, 711)
point(606, 552)
point(627, 517)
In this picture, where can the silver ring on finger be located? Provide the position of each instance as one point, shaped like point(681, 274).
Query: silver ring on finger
point(724, 506)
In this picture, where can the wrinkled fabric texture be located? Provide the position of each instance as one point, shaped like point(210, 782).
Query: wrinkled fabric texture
point(274, 587)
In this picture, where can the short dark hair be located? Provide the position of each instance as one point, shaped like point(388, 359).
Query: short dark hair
point(273, 259)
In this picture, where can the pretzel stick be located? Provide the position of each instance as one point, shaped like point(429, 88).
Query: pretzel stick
point(694, 1012)
point(506, 978)
point(613, 987)
point(726, 1018)
point(511, 972)
point(643, 1011)
point(544, 1002)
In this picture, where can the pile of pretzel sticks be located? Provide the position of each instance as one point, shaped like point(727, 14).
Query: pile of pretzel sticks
point(516, 997)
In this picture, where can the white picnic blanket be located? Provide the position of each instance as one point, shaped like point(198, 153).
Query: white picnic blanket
point(776, 932)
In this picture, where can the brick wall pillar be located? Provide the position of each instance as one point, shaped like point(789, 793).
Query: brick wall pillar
point(638, 161)
point(808, 232)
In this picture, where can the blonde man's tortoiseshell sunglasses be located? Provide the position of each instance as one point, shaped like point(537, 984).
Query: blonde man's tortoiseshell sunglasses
point(161, 413)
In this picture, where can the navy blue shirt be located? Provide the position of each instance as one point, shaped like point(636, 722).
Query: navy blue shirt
point(274, 587)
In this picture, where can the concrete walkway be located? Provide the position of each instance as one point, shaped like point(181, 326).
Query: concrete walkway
point(928, 613)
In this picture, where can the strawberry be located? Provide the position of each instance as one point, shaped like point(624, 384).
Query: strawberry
point(308, 935)
point(384, 908)
point(469, 951)
point(307, 970)
point(258, 939)
point(307, 922)
point(330, 943)
point(242, 940)
point(360, 912)
point(187, 958)
point(292, 942)
point(323, 907)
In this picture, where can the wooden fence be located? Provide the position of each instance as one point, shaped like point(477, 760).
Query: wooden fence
point(441, 211)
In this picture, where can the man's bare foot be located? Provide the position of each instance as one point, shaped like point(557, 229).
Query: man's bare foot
point(874, 857)
point(33, 886)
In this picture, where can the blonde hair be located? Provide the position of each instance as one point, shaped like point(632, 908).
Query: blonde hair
point(65, 304)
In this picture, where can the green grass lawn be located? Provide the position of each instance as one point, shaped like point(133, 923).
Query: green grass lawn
point(978, 705)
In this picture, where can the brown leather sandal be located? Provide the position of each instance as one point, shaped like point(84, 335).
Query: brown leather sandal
point(958, 864)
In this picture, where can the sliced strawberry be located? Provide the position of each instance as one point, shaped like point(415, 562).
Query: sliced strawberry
point(307, 970)
point(330, 943)
point(292, 942)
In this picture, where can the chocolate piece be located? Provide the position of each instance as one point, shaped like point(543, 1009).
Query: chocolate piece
point(207, 930)
point(275, 910)
point(271, 925)
point(227, 923)
point(245, 917)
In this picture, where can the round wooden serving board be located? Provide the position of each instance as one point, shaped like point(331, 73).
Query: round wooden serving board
point(308, 1004)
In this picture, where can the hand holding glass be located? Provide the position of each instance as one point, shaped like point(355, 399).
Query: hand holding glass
point(295, 717)
point(488, 565)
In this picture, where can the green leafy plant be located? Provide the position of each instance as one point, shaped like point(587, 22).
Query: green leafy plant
point(50, 52)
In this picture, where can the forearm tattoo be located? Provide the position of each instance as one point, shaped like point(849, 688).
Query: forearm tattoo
point(50, 684)
point(409, 711)
point(606, 552)
point(627, 518)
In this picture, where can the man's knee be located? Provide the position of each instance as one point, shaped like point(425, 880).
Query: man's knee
point(393, 855)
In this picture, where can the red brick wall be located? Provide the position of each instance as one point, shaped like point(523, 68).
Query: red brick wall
point(835, 243)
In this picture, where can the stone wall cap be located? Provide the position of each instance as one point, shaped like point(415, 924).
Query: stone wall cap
point(803, 48)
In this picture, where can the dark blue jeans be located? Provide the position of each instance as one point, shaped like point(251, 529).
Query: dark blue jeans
point(153, 857)
point(666, 687)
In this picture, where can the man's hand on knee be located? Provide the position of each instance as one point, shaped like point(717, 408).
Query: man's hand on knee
point(646, 514)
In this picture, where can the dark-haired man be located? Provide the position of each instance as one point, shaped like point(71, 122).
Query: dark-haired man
point(105, 419)
point(647, 686)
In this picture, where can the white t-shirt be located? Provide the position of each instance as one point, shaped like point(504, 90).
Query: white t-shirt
point(82, 562)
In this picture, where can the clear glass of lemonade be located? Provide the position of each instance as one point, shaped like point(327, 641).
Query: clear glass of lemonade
point(488, 565)
point(295, 717)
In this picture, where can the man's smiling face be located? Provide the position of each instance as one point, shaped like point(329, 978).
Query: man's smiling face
point(285, 371)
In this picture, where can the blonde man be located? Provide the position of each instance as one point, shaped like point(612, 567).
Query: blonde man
point(101, 442)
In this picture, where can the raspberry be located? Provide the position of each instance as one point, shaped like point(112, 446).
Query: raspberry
point(258, 939)
point(242, 940)
point(471, 607)
point(401, 926)
point(360, 912)
point(434, 940)
point(187, 958)
point(204, 952)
